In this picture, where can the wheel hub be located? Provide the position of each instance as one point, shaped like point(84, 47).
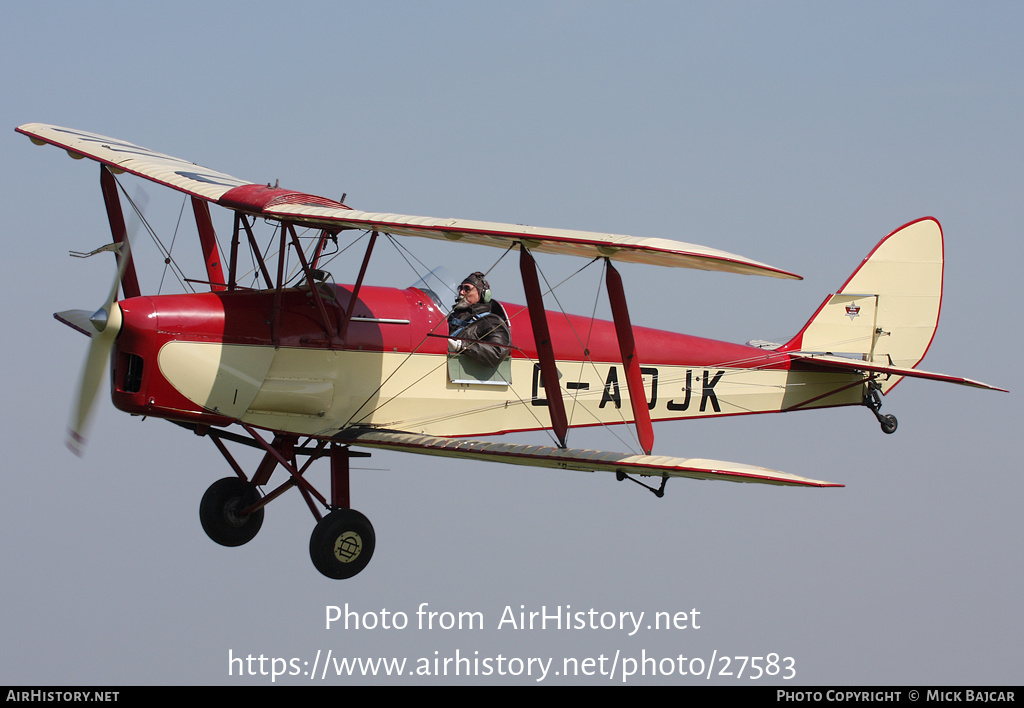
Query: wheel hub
point(231, 514)
point(348, 546)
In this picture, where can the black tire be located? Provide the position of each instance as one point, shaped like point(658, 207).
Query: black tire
point(342, 543)
point(888, 424)
point(218, 512)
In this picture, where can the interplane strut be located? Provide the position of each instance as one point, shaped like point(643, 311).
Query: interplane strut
point(630, 360)
point(542, 338)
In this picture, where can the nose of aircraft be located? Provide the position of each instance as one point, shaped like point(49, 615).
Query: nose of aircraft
point(168, 348)
point(136, 344)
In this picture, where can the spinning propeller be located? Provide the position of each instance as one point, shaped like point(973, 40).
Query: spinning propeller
point(102, 326)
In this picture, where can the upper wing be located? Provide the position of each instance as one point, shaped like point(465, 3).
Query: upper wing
point(302, 208)
point(122, 156)
point(585, 460)
point(587, 244)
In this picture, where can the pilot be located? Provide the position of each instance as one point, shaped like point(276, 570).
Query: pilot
point(474, 329)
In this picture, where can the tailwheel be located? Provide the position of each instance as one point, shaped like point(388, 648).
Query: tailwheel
point(342, 543)
point(221, 509)
point(873, 400)
point(888, 423)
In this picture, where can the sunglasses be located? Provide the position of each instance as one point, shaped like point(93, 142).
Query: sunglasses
point(466, 288)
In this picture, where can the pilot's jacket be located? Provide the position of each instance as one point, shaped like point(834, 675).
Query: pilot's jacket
point(481, 330)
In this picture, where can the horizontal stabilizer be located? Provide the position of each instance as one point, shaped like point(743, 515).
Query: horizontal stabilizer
point(570, 459)
point(825, 361)
point(76, 319)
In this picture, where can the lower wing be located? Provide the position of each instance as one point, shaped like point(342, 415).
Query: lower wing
point(573, 459)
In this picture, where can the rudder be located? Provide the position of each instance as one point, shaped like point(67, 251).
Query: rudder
point(888, 309)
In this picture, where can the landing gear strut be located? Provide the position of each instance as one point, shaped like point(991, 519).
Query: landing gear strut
point(873, 400)
point(231, 512)
point(342, 542)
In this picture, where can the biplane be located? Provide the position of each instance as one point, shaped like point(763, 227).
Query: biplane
point(282, 359)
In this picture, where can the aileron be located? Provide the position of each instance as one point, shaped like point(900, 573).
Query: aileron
point(119, 155)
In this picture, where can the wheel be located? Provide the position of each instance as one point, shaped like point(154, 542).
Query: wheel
point(219, 512)
point(888, 424)
point(342, 543)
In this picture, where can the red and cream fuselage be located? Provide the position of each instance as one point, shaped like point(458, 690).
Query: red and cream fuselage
point(214, 358)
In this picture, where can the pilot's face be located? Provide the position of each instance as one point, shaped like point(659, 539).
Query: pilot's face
point(469, 293)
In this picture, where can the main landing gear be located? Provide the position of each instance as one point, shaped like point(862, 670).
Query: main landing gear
point(873, 400)
point(342, 543)
point(231, 511)
point(223, 512)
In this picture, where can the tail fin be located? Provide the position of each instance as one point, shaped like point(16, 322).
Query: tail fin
point(888, 310)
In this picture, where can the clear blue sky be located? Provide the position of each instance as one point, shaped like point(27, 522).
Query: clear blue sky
point(797, 134)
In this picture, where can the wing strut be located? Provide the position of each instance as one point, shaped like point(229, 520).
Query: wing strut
point(129, 281)
point(310, 279)
point(208, 240)
point(343, 330)
point(242, 221)
point(542, 337)
point(630, 360)
point(233, 257)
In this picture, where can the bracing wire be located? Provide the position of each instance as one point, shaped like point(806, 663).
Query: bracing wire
point(164, 251)
point(522, 400)
point(174, 239)
point(400, 248)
